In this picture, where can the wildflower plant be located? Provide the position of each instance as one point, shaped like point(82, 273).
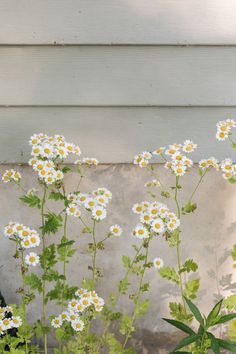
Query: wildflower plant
point(176, 160)
point(43, 261)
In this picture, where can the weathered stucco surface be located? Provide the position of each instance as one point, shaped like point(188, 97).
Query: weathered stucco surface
point(207, 237)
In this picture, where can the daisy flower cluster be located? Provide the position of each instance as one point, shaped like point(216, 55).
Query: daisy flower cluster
point(7, 320)
point(224, 129)
point(208, 163)
point(178, 163)
point(11, 176)
point(95, 202)
point(46, 152)
point(77, 307)
point(155, 218)
point(26, 238)
point(228, 168)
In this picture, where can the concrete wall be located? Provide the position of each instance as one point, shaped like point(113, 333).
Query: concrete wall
point(207, 237)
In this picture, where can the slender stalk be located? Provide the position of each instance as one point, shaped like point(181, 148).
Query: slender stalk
point(43, 283)
point(178, 243)
point(197, 186)
point(137, 298)
point(64, 261)
point(94, 253)
point(23, 268)
point(115, 301)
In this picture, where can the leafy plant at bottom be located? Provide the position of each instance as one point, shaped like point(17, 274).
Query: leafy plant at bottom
point(202, 340)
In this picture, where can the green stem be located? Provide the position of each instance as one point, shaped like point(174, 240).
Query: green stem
point(178, 243)
point(94, 254)
point(119, 294)
point(198, 184)
point(64, 261)
point(137, 298)
point(23, 268)
point(44, 283)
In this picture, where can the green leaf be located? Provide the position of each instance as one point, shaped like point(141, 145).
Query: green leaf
point(191, 288)
point(227, 345)
point(66, 169)
point(230, 301)
point(123, 286)
point(126, 325)
point(183, 327)
point(178, 311)
point(170, 274)
point(188, 340)
point(38, 329)
point(34, 282)
point(142, 308)
point(126, 262)
point(233, 253)
point(225, 318)
point(56, 196)
point(214, 313)
point(48, 257)
point(189, 266)
point(197, 314)
point(32, 200)
point(214, 343)
point(52, 223)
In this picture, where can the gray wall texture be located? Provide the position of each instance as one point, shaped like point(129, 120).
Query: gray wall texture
point(207, 237)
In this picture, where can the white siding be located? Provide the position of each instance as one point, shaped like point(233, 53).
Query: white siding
point(178, 56)
point(118, 21)
point(113, 134)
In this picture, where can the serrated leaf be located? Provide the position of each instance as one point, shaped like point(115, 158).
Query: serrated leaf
point(191, 288)
point(52, 223)
point(32, 200)
point(34, 282)
point(56, 196)
point(126, 261)
point(189, 266)
point(170, 274)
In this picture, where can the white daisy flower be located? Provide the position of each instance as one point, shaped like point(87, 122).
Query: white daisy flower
point(158, 263)
point(140, 231)
point(78, 325)
point(32, 259)
point(16, 321)
point(56, 322)
point(158, 226)
point(221, 136)
point(159, 151)
point(116, 230)
point(146, 155)
point(189, 146)
point(99, 213)
point(137, 208)
point(179, 170)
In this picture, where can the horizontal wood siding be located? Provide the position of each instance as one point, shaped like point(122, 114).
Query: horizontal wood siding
point(117, 21)
point(114, 134)
point(116, 76)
